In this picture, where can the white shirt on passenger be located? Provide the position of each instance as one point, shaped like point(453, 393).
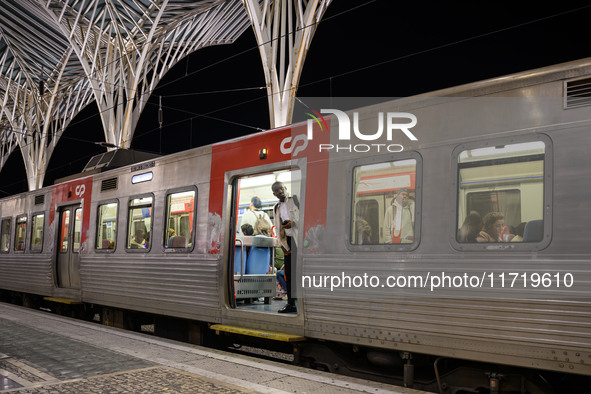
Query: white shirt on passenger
point(284, 215)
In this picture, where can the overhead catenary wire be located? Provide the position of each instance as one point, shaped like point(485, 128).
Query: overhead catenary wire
point(329, 78)
point(364, 68)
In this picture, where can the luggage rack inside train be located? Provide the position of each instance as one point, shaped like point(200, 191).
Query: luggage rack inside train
point(254, 258)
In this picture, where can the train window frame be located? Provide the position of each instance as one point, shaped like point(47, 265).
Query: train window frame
point(166, 214)
point(385, 247)
point(16, 223)
point(546, 203)
point(61, 246)
point(35, 215)
point(128, 248)
point(9, 233)
point(77, 246)
point(97, 229)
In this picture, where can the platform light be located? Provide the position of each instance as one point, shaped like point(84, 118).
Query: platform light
point(263, 153)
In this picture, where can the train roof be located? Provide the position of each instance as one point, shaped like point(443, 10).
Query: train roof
point(518, 80)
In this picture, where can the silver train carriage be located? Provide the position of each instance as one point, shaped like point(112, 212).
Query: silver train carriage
point(453, 224)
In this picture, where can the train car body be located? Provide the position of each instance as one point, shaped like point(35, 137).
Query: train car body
point(163, 236)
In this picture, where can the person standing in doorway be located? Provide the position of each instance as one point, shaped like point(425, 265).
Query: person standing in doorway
point(286, 214)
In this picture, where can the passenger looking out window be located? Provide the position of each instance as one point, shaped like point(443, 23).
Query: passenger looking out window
point(494, 223)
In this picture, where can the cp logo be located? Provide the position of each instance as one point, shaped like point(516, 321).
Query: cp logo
point(79, 191)
point(294, 147)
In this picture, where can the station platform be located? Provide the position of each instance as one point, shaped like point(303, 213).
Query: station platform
point(46, 353)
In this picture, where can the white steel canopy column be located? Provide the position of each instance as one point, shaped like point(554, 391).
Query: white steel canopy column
point(284, 31)
point(35, 104)
point(125, 48)
point(57, 56)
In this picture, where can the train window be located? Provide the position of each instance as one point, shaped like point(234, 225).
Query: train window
point(20, 234)
point(145, 177)
point(501, 193)
point(106, 226)
point(384, 208)
point(5, 235)
point(139, 222)
point(65, 231)
point(180, 219)
point(77, 230)
point(37, 232)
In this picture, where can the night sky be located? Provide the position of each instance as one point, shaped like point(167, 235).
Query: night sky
point(381, 48)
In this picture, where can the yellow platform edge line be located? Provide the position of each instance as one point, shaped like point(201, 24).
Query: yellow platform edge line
point(275, 336)
point(62, 300)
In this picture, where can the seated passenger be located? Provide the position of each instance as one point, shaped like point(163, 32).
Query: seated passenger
point(363, 231)
point(518, 231)
point(281, 285)
point(36, 244)
point(493, 228)
point(139, 240)
point(279, 271)
point(171, 235)
point(470, 228)
point(247, 229)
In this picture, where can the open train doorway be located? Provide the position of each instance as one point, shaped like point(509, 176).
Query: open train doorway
point(258, 281)
point(68, 247)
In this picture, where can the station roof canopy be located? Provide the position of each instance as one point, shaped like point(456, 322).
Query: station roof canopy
point(36, 36)
point(57, 56)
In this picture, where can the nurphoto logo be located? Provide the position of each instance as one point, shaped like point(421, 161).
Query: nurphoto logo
point(392, 120)
point(393, 124)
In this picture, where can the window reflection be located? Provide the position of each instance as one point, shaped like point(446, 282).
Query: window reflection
point(384, 197)
point(501, 193)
